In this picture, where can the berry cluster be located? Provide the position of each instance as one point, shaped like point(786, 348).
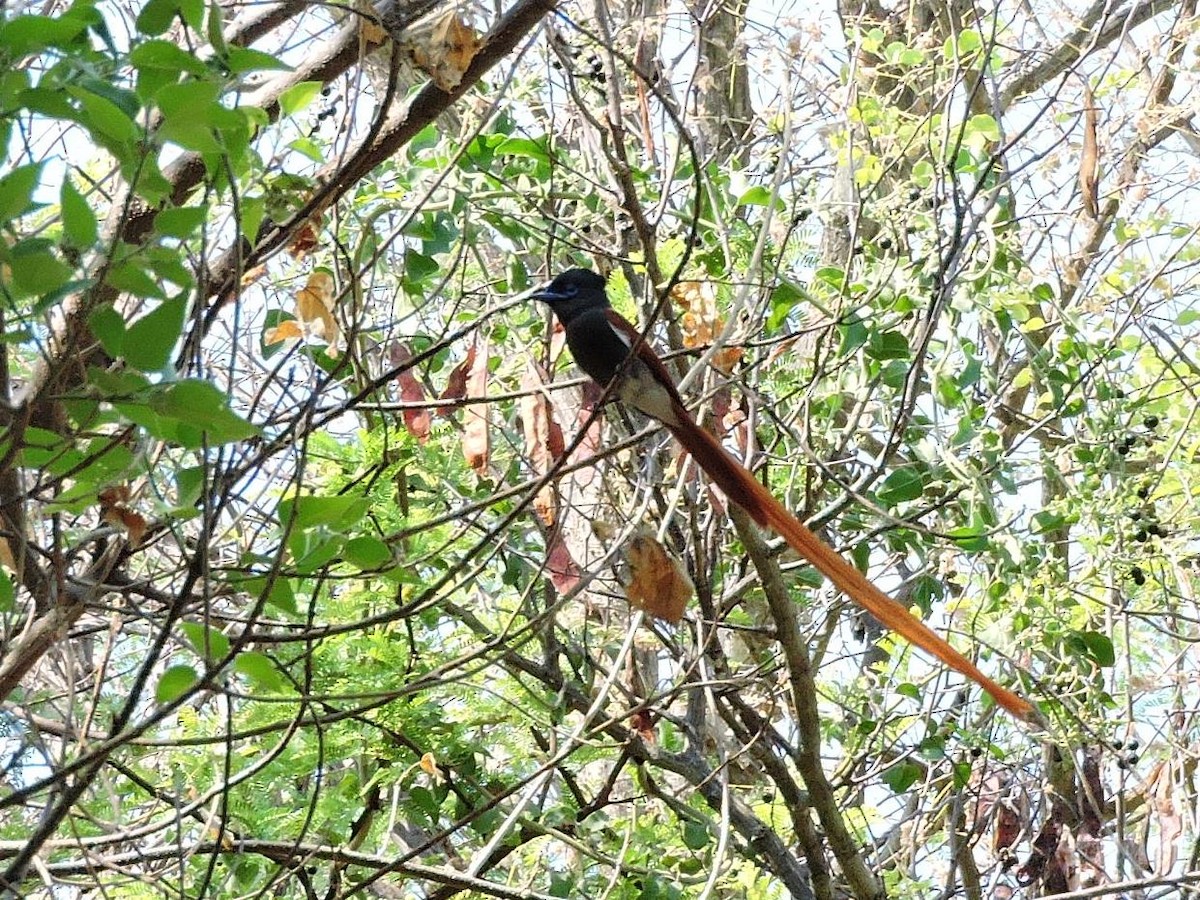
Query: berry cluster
point(1130, 759)
point(1144, 517)
point(590, 69)
point(327, 111)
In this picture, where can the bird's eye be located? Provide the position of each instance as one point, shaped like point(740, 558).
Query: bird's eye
point(569, 291)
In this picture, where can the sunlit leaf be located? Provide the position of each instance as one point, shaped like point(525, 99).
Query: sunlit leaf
point(175, 682)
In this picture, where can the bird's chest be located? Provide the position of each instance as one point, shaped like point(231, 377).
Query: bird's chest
point(597, 348)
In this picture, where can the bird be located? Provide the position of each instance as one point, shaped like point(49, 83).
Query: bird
point(615, 354)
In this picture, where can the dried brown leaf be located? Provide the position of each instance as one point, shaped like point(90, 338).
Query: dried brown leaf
point(443, 45)
point(1170, 822)
point(1089, 157)
point(476, 438)
point(456, 384)
point(643, 724)
point(537, 423)
point(314, 314)
point(304, 241)
point(561, 566)
point(658, 582)
point(701, 322)
point(115, 510)
point(416, 421)
point(429, 765)
point(287, 330)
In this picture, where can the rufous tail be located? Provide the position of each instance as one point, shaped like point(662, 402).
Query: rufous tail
point(742, 488)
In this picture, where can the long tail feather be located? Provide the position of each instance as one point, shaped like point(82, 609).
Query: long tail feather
point(741, 487)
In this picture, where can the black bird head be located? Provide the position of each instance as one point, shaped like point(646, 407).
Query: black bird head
point(573, 292)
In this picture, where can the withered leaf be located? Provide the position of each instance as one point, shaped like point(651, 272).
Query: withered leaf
point(416, 421)
point(314, 314)
point(443, 45)
point(658, 582)
point(561, 566)
point(537, 423)
point(476, 439)
point(456, 384)
point(1089, 157)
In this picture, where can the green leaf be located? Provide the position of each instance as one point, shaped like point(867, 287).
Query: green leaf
point(149, 341)
point(36, 270)
point(784, 298)
point(902, 776)
point(308, 147)
point(854, 335)
point(207, 642)
point(1099, 647)
point(7, 593)
point(298, 96)
point(967, 41)
point(30, 34)
point(367, 552)
point(313, 550)
point(189, 100)
point(901, 486)
point(520, 146)
point(281, 595)
point(201, 405)
point(831, 275)
point(166, 264)
point(156, 17)
point(887, 345)
point(129, 277)
point(969, 538)
point(193, 13)
point(254, 209)
point(108, 328)
point(245, 59)
point(174, 683)
point(755, 196)
point(695, 836)
point(79, 222)
point(107, 122)
point(189, 482)
point(216, 29)
point(985, 126)
point(417, 268)
point(1187, 317)
point(259, 668)
point(338, 512)
point(180, 221)
point(16, 191)
point(160, 54)
point(910, 690)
